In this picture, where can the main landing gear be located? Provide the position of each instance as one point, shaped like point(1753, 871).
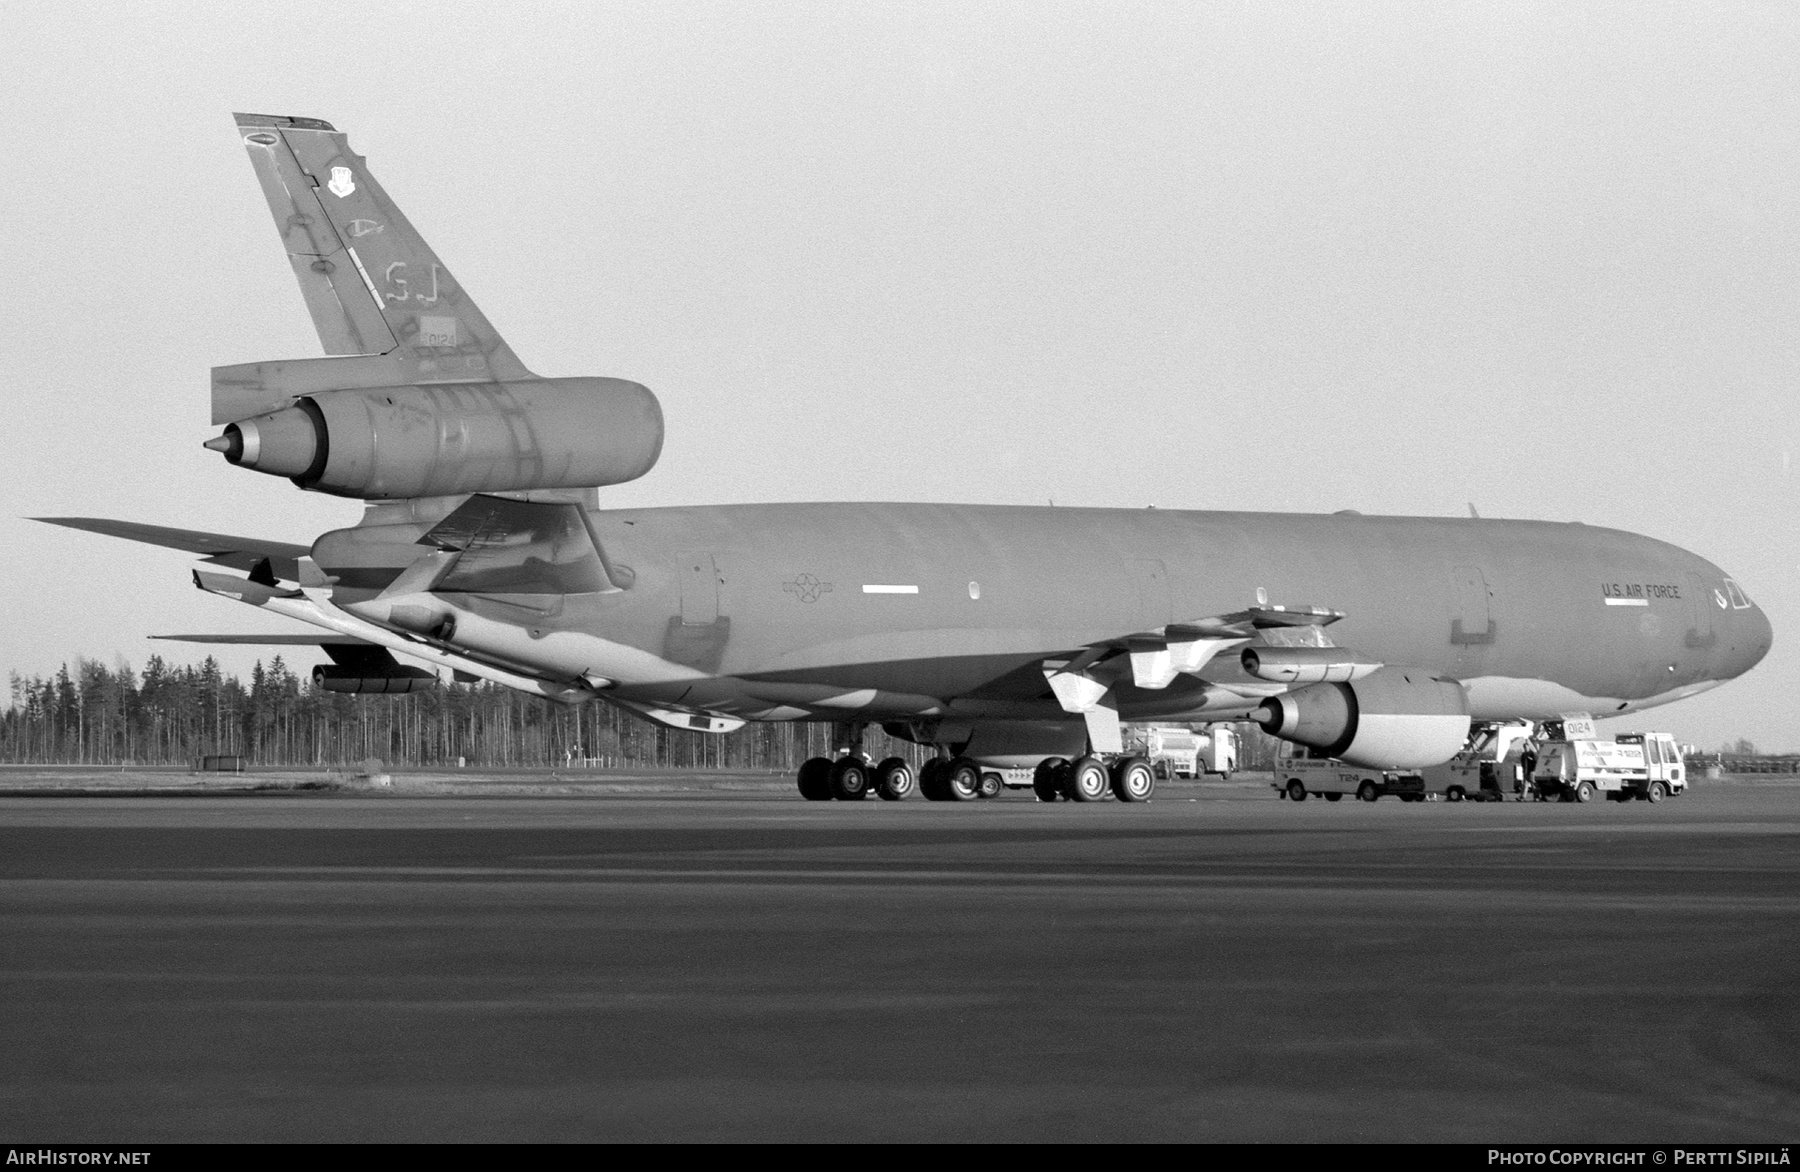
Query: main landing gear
point(849, 777)
point(1089, 779)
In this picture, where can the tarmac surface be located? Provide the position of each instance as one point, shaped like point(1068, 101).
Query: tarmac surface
point(719, 960)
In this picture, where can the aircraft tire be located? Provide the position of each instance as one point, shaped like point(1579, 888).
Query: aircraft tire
point(1656, 792)
point(962, 780)
point(815, 779)
point(893, 779)
point(1133, 780)
point(1584, 791)
point(1043, 779)
point(1087, 780)
point(1296, 790)
point(849, 779)
point(1333, 797)
point(992, 784)
point(931, 780)
point(1366, 792)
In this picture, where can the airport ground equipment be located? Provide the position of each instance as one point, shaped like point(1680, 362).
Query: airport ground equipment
point(1183, 752)
point(1002, 637)
point(1490, 769)
point(1632, 766)
point(1305, 773)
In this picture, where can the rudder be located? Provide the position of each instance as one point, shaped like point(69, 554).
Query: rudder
point(371, 283)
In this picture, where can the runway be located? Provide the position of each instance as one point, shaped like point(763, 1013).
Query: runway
point(1216, 965)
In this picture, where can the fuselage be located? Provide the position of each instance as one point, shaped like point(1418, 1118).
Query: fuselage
point(781, 611)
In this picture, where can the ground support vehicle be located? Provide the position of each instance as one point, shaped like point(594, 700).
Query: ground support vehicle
point(1301, 775)
point(1181, 752)
point(1489, 770)
point(1634, 766)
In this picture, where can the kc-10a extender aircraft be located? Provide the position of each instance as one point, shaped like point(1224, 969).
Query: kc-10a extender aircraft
point(1005, 636)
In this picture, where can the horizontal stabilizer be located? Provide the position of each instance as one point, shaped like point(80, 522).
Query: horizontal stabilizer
point(238, 553)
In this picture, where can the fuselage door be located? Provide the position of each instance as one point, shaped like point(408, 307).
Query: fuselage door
point(699, 589)
point(1702, 606)
point(1470, 622)
point(1154, 609)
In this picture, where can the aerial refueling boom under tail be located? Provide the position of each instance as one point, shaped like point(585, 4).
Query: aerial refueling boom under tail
point(1002, 636)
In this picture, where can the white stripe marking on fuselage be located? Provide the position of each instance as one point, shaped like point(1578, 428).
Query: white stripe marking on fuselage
point(1609, 601)
point(869, 589)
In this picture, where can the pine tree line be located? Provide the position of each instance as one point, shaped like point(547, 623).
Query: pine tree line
point(174, 715)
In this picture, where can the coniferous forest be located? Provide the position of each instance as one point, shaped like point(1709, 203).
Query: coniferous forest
point(175, 714)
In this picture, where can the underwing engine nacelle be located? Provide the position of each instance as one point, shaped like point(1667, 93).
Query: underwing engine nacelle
point(1393, 718)
point(439, 440)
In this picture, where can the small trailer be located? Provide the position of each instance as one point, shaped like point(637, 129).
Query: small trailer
point(1634, 766)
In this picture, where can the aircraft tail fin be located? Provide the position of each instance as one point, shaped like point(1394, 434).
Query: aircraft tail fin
point(371, 283)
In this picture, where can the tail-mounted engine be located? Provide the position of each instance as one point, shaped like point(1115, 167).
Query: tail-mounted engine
point(438, 440)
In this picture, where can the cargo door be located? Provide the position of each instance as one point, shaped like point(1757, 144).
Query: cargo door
point(1471, 624)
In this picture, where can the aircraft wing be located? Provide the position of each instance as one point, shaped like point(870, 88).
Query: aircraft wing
point(322, 639)
point(239, 553)
point(344, 650)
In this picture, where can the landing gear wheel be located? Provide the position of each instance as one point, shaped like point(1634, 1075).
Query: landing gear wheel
point(849, 779)
point(1584, 791)
point(1087, 780)
point(815, 779)
point(1454, 794)
point(1366, 792)
point(962, 780)
point(1296, 790)
point(991, 785)
point(1333, 797)
point(893, 779)
point(931, 780)
point(1133, 780)
point(1043, 780)
point(1657, 792)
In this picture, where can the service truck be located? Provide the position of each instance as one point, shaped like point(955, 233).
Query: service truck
point(1180, 752)
point(1490, 769)
point(1301, 772)
point(1646, 766)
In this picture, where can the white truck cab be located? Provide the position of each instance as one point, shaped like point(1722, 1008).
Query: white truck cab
point(1646, 766)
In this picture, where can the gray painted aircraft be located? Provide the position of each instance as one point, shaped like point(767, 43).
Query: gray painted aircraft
point(1004, 636)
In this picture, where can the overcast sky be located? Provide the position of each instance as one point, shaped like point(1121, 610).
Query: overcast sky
point(1395, 258)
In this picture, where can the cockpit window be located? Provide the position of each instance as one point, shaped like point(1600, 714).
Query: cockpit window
point(1738, 601)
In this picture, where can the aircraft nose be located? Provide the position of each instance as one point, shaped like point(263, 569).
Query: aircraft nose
point(1758, 636)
